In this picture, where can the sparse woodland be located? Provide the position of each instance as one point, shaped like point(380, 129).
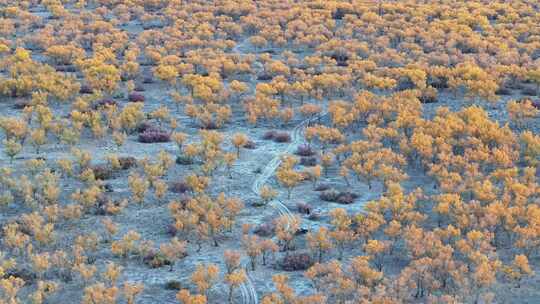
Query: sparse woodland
point(272, 151)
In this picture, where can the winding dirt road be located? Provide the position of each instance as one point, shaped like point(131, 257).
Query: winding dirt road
point(249, 294)
point(268, 171)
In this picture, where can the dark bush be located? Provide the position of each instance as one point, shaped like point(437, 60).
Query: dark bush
point(257, 203)
point(265, 230)
point(334, 196)
point(438, 83)
point(304, 150)
point(127, 162)
point(536, 104)
point(101, 210)
point(209, 125)
point(338, 14)
point(148, 80)
point(264, 77)
point(86, 89)
point(301, 231)
point(340, 56)
point(269, 135)
point(330, 195)
point(171, 230)
point(22, 273)
point(139, 88)
point(145, 126)
point(405, 84)
point(428, 98)
point(184, 160)
point(136, 97)
point(282, 137)
point(152, 25)
point(346, 198)
point(304, 208)
point(179, 187)
point(101, 204)
point(102, 172)
point(154, 136)
point(296, 262)
point(173, 285)
point(250, 145)
point(308, 161)
point(107, 188)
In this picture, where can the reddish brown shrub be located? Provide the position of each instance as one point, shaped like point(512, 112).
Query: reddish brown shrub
point(269, 135)
point(250, 145)
point(264, 77)
point(330, 195)
point(154, 136)
point(171, 230)
point(304, 150)
point(127, 162)
point(265, 229)
point(136, 97)
point(304, 208)
point(335, 196)
point(296, 262)
point(102, 172)
point(346, 198)
point(179, 187)
point(145, 126)
point(282, 137)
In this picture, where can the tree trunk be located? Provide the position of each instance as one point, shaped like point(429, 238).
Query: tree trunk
point(252, 260)
point(230, 294)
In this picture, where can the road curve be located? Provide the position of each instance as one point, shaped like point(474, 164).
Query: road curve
point(249, 294)
point(297, 135)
